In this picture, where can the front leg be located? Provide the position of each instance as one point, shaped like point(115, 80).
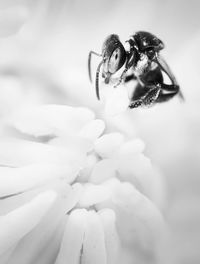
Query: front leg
point(148, 99)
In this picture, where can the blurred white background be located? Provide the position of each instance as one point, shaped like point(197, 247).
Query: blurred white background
point(43, 58)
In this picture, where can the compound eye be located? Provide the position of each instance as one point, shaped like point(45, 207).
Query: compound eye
point(116, 60)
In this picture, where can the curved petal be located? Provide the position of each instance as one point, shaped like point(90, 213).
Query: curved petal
point(103, 170)
point(107, 145)
point(92, 130)
point(36, 242)
point(93, 250)
point(131, 147)
point(138, 170)
point(16, 180)
point(6, 255)
point(18, 152)
point(138, 221)
point(93, 194)
point(19, 222)
point(72, 242)
point(51, 120)
point(112, 241)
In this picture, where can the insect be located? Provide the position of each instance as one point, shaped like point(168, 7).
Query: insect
point(142, 62)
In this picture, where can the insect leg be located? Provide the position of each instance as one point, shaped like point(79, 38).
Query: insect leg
point(89, 63)
point(97, 80)
point(148, 99)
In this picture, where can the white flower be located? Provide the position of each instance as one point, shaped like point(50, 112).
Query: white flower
point(74, 191)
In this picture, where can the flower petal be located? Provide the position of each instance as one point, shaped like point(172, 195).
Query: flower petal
point(103, 170)
point(72, 241)
point(84, 173)
point(18, 152)
point(138, 170)
point(10, 203)
point(94, 250)
point(73, 144)
point(132, 147)
point(73, 196)
point(45, 231)
point(107, 145)
point(112, 241)
point(16, 180)
point(50, 252)
point(51, 120)
point(138, 220)
point(6, 255)
point(19, 222)
point(93, 194)
point(92, 130)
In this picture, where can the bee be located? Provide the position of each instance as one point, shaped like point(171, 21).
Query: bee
point(142, 62)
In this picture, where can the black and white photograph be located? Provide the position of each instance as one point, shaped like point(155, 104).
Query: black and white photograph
point(99, 132)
